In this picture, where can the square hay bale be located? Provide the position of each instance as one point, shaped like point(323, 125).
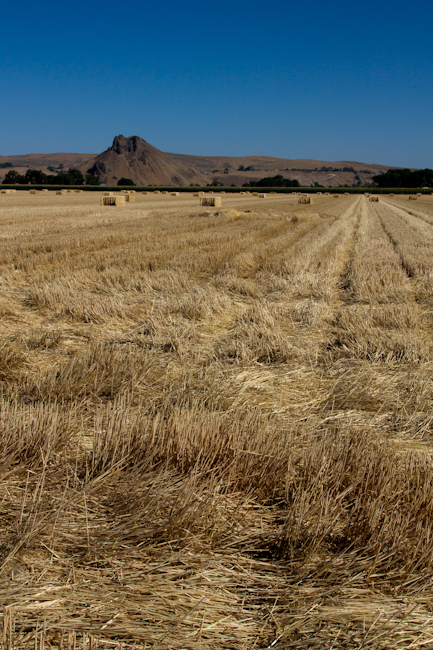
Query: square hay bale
point(157, 192)
point(12, 191)
point(5, 191)
point(174, 194)
point(273, 192)
point(34, 191)
point(305, 199)
point(78, 191)
point(336, 196)
point(211, 201)
point(62, 192)
point(196, 194)
point(113, 200)
point(418, 194)
point(201, 193)
point(44, 190)
point(129, 197)
point(164, 192)
point(412, 197)
point(108, 194)
point(326, 193)
point(261, 195)
point(346, 193)
point(318, 193)
point(374, 198)
point(255, 193)
point(222, 192)
point(392, 194)
point(145, 193)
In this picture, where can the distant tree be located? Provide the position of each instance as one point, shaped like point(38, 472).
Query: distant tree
point(13, 178)
point(274, 181)
point(125, 181)
point(241, 168)
point(405, 178)
point(5, 165)
point(34, 177)
point(92, 180)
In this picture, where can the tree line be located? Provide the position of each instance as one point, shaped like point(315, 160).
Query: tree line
point(38, 177)
point(405, 178)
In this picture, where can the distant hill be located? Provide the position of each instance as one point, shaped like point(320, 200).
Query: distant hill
point(135, 158)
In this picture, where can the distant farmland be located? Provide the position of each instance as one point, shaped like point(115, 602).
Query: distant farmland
point(216, 423)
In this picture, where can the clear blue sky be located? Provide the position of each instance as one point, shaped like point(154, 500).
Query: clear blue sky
point(324, 80)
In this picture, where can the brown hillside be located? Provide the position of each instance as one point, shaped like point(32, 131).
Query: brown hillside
point(138, 160)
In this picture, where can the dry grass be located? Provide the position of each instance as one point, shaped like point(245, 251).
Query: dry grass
point(215, 433)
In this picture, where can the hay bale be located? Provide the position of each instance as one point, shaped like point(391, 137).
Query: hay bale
point(201, 193)
point(129, 197)
point(336, 196)
point(34, 191)
point(374, 198)
point(5, 191)
point(326, 193)
point(222, 192)
point(62, 192)
point(392, 194)
point(145, 192)
point(174, 194)
point(318, 193)
point(156, 192)
point(108, 194)
point(164, 192)
point(261, 195)
point(44, 190)
point(214, 201)
point(78, 191)
point(346, 193)
point(305, 199)
point(113, 200)
point(412, 197)
point(196, 194)
point(419, 194)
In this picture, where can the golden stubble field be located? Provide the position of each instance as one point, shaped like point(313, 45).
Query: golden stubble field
point(216, 424)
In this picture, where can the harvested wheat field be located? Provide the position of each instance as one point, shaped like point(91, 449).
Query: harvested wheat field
point(216, 423)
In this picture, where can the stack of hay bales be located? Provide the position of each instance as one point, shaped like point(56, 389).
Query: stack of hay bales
point(214, 201)
point(129, 197)
point(62, 192)
point(374, 198)
point(174, 194)
point(113, 200)
point(5, 191)
point(34, 191)
point(412, 197)
point(305, 199)
point(262, 195)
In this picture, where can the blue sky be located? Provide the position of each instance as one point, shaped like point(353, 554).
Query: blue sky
point(322, 80)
